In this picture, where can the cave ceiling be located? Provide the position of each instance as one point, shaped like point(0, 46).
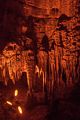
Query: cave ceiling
point(15, 14)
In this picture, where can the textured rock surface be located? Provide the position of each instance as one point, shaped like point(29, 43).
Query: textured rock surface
point(40, 33)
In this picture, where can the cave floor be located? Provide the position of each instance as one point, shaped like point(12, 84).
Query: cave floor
point(31, 109)
point(64, 109)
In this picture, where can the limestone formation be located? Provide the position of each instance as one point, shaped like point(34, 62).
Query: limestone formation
point(45, 34)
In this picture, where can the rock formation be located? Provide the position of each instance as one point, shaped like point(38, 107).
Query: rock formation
point(41, 33)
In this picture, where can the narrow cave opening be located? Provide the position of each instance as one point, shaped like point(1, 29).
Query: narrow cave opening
point(45, 43)
point(23, 81)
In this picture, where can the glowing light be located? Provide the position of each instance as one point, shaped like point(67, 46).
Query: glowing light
point(20, 110)
point(16, 93)
point(9, 103)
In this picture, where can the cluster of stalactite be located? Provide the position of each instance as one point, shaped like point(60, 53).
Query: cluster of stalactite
point(58, 60)
point(58, 52)
point(14, 60)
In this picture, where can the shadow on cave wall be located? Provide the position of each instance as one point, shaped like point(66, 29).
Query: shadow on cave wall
point(10, 20)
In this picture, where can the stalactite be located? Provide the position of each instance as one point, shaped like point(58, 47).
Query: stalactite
point(52, 66)
point(30, 68)
point(42, 55)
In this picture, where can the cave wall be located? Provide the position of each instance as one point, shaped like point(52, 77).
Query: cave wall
point(43, 34)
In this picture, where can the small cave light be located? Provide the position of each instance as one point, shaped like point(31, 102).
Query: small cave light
point(9, 103)
point(16, 93)
point(20, 110)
